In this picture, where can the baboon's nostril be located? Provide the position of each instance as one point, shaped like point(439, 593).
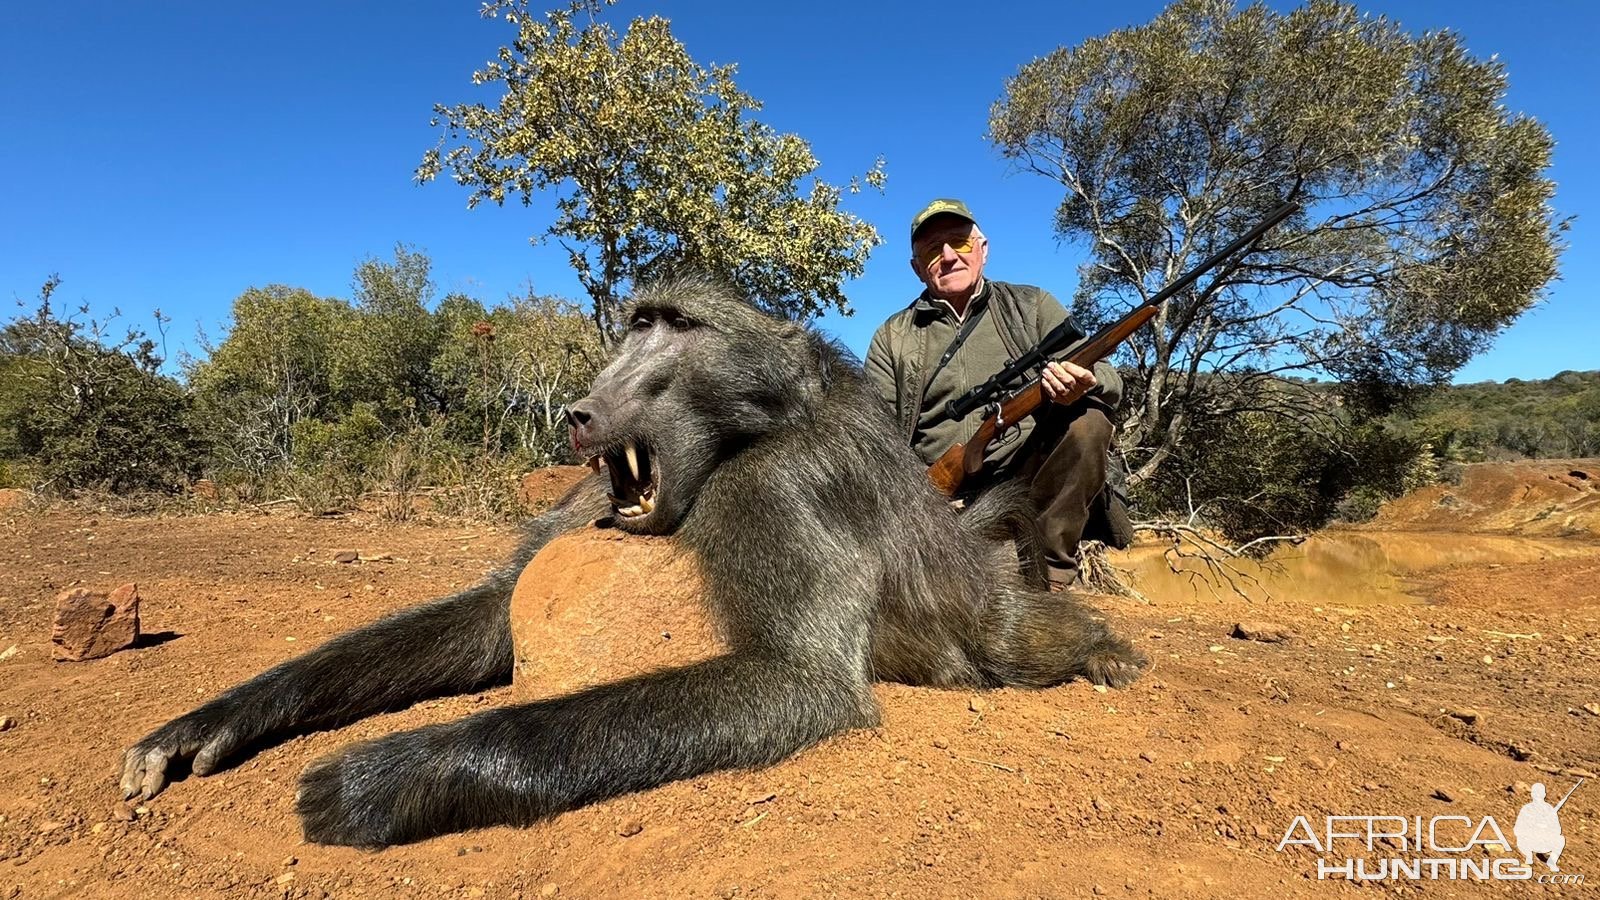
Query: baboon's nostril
point(579, 413)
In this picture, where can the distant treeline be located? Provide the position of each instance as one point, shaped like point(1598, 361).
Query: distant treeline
point(395, 393)
point(1514, 419)
point(323, 400)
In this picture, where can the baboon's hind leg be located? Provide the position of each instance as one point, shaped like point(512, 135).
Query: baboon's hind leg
point(1036, 639)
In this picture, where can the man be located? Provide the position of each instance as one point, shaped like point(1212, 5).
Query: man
point(962, 330)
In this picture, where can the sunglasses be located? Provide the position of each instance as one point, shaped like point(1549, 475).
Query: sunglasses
point(934, 252)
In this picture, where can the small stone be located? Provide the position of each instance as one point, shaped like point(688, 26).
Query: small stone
point(549, 890)
point(346, 556)
point(1488, 660)
point(1469, 716)
point(1444, 794)
point(1592, 709)
point(763, 797)
point(1263, 632)
point(285, 878)
point(91, 624)
point(1147, 756)
point(290, 860)
point(630, 828)
point(123, 813)
point(977, 704)
point(941, 743)
point(7, 723)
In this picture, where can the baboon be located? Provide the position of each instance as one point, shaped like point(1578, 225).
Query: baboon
point(828, 559)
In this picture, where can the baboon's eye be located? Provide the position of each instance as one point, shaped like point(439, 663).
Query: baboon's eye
point(639, 323)
point(680, 322)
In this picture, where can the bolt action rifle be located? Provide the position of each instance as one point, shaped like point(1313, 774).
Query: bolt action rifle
point(962, 460)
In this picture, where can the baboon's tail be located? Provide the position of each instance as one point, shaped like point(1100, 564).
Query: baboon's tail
point(1006, 513)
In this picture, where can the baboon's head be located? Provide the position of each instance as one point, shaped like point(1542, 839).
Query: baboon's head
point(698, 377)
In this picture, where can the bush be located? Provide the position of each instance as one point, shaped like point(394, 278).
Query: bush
point(334, 462)
point(1260, 474)
point(80, 413)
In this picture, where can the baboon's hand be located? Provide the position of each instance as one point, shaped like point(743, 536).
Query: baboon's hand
point(371, 794)
point(206, 737)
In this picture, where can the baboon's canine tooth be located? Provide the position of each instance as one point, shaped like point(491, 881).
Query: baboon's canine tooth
point(647, 504)
point(633, 460)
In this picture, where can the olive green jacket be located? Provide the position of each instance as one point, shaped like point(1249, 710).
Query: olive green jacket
point(906, 350)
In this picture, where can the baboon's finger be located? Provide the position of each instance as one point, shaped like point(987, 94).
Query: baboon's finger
point(155, 772)
point(205, 762)
point(132, 772)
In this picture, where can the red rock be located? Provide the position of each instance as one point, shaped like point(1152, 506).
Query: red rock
point(91, 624)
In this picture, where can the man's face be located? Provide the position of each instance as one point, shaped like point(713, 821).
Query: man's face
point(939, 260)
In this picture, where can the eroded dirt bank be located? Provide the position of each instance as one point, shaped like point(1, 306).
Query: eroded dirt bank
point(1182, 785)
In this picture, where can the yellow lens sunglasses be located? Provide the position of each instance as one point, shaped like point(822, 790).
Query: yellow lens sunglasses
point(962, 245)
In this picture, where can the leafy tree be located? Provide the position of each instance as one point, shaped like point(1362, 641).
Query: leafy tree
point(551, 354)
point(385, 358)
point(654, 163)
point(1426, 226)
point(274, 370)
point(466, 371)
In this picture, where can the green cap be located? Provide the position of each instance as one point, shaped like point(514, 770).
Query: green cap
point(942, 206)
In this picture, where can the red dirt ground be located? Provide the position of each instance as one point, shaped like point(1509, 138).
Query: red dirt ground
point(1181, 785)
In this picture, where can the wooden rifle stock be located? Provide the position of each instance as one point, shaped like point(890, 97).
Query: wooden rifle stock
point(961, 460)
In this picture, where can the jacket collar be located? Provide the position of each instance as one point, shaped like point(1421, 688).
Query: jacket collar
point(927, 304)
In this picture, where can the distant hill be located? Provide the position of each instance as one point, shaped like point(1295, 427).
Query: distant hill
point(1555, 417)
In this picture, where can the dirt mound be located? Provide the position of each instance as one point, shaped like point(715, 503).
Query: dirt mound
point(1182, 785)
point(542, 487)
point(1559, 497)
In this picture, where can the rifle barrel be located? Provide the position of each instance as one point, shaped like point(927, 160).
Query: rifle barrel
point(1568, 794)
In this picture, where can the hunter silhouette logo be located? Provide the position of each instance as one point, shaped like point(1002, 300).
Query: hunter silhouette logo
point(1538, 828)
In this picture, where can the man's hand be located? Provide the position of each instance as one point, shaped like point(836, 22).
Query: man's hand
point(1065, 383)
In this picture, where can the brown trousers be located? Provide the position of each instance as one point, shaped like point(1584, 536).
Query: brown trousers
point(1064, 463)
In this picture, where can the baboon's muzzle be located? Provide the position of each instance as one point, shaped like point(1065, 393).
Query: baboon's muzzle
point(635, 478)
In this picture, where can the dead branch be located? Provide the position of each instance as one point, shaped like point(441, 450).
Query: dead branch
point(1216, 556)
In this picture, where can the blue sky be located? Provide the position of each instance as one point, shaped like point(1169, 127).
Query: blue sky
point(169, 155)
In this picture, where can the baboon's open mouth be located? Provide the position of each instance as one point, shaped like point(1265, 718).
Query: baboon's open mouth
point(633, 479)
